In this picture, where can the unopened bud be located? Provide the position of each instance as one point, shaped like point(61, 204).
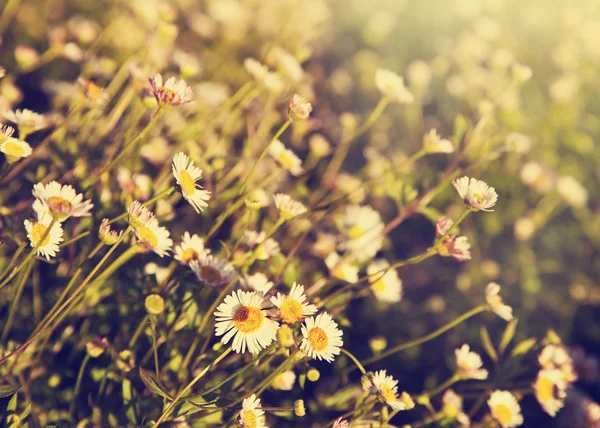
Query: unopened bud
point(299, 409)
point(313, 375)
point(125, 360)
point(378, 344)
point(407, 400)
point(155, 305)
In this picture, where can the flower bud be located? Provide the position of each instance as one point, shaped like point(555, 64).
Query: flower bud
point(378, 344)
point(155, 305)
point(299, 108)
point(299, 409)
point(285, 336)
point(125, 360)
point(96, 347)
point(313, 375)
point(407, 400)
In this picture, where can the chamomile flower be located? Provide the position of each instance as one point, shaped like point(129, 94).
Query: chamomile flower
point(212, 270)
point(386, 387)
point(106, 234)
point(154, 237)
point(452, 246)
point(476, 194)
point(62, 200)
point(495, 302)
point(468, 364)
point(557, 357)
point(322, 338)
point(251, 415)
point(257, 282)
point(433, 143)
point(362, 227)
point(385, 283)
point(27, 121)
point(299, 108)
point(186, 175)
point(293, 307)
point(265, 249)
point(138, 214)
point(452, 407)
point(550, 390)
point(242, 317)
point(172, 93)
point(505, 409)
point(48, 247)
point(288, 207)
point(191, 248)
point(392, 86)
point(15, 149)
point(572, 191)
point(286, 158)
point(93, 92)
point(341, 269)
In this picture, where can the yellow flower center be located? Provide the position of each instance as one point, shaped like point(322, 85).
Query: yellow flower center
point(450, 411)
point(478, 197)
point(545, 389)
point(189, 255)
point(388, 394)
point(495, 301)
point(210, 274)
point(290, 310)
point(503, 413)
point(37, 233)
point(147, 236)
point(318, 339)
point(165, 95)
point(248, 319)
point(443, 250)
point(187, 183)
point(249, 419)
point(355, 231)
point(378, 286)
point(59, 205)
point(340, 273)
point(286, 160)
point(13, 149)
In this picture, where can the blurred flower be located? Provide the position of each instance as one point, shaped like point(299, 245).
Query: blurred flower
point(521, 72)
point(6, 132)
point(284, 381)
point(319, 145)
point(106, 235)
point(469, 364)
point(341, 269)
point(476, 194)
point(286, 158)
point(433, 143)
point(392, 86)
point(191, 248)
point(36, 231)
point(385, 283)
point(451, 246)
point(27, 121)
point(255, 69)
point(154, 304)
point(287, 65)
point(299, 108)
point(173, 93)
point(321, 337)
point(154, 237)
point(572, 191)
point(299, 408)
point(362, 227)
point(550, 390)
point(241, 317)
point(96, 346)
point(126, 360)
point(188, 63)
point(324, 245)
point(525, 228)
point(62, 200)
point(386, 388)
point(94, 92)
point(212, 270)
point(293, 307)
point(257, 282)
point(251, 415)
point(505, 409)
point(495, 302)
point(14, 149)
point(453, 407)
point(288, 207)
point(186, 175)
point(557, 357)
point(340, 423)
point(27, 57)
point(264, 249)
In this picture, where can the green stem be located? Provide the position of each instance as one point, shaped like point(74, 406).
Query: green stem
point(448, 383)
point(15, 302)
point(82, 368)
point(353, 358)
point(154, 348)
point(138, 331)
point(13, 259)
point(10, 10)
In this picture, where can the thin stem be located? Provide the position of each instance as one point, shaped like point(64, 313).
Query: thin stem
point(138, 331)
point(15, 302)
point(448, 383)
point(13, 259)
point(82, 368)
point(155, 349)
point(353, 358)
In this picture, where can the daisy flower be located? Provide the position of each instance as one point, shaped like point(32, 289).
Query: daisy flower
point(257, 282)
point(299, 108)
point(322, 338)
point(386, 387)
point(255, 69)
point(190, 249)
point(264, 249)
point(495, 302)
point(286, 158)
point(385, 284)
point(172, 93)
point(212, 271)
point(6, 132)
point(362, 227)
point(452, 407)
point(505, 409)
point(186, 175)
point(572, 191)
point(154, 237)
point(251, 415)
point(550, 390)
point(62, 200)
point(293, 307)
point(433, 143)
point(93, 92)
point(241, 317)
point(340, 269)
point(106, 235)
point(457, 247)
point(36, 231)
point(392, 86)
point(284, 381)
point(14, 149)
point(469, 364)
point(288, 207)
point(27, 121)
point(138, 214)
point(557, 357)
point(476, 194)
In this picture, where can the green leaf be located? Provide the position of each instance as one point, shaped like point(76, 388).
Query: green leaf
point(523, 347)
point(487, 344)
point(154, 385)
point(509, 334)
point(12, 404)
point(6, 390)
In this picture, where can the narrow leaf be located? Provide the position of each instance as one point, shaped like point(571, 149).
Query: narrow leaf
point(153, 385)
point(6, 390)
point(523, 347)
point(487, 344)
point(509, 334)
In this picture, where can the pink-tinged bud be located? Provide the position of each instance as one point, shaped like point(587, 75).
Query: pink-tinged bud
point(299, 108)
point(451, 246)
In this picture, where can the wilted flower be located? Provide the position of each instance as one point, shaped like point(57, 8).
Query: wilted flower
point(476, 193)
point(299, 108)
point(505, 409)
point(469, 364)
point(173, 93)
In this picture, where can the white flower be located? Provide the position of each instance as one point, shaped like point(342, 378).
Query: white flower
point(284, 381)
point(322, 339)
point(286, 158)
point(299, 108)
point(433, 143)
point(340, 423)
point(186, 175)
point(496, 303)
point(241, 317)
point(213, 271)
point(191, 248)
point(15, 149)
point(251, 415)
point(257, 282)
point(505, 409)
point(173, 93)
point(28, 121)
point(138, 214)
point(36, 230)
point(385, 284)
point(106, 234)
point(550, 390)
point(255, 69)
point(469, 364)
point(476, 193)
point(387, 388)
point(453, 407)
point(288, 65)
point(341, 269)
point(62, 201)
point(154, 237)
point(293, 307)
point(362, 227)
point(572, 191)
point(557, 357)
point(392, 86)
point(288, 207)
point(265, 249)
